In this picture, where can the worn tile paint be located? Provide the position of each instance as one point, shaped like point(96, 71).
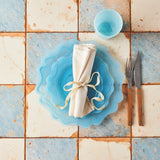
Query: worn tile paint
point(104, 149)
point(118, 46)
point(52, 15)
point(12, 13)
point(151, 112)
point(11, 111)
point(145, 15)
point(146, 149)
point(89, 9)
point(46, 149)
point(148, 44)
point(38, 46)
point(41, 17)
point(41, 124)
point(114, 125)
point(12, 58)
point(11, 149)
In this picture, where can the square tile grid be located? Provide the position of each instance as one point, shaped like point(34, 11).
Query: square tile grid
point(29, 30)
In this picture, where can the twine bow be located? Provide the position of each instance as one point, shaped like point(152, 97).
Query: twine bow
point(78, 85)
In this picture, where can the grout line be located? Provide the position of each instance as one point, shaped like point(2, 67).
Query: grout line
point(111, 137)
point(78, 16)
point(25, 77)
point(60, 31)
point(145, 136)
point(51, 137)
point(130, 16)
point(40, 32)
point(11, 137)
point(12, 84)
point(80, 137)
point(132, 32)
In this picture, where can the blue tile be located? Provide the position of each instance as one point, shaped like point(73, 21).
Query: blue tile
point(148, 44)
point(106, 129)
point(12, 13)
point(51, 149)
point(39, 45)
point(89, 9)
point(11, 111)
point(146, 149)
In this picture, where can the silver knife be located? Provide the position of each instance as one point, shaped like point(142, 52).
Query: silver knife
point(138, 82)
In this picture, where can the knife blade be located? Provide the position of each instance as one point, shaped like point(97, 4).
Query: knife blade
point(138, 81)
point(138, 75)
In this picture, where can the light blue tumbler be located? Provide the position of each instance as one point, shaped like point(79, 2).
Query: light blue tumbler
point(108, 23)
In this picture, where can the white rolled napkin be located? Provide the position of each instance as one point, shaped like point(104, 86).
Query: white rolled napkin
point(83, 59)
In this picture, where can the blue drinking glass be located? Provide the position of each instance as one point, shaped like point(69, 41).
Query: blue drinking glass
point(108, 23)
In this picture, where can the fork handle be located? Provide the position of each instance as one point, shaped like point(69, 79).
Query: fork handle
point(139, 99)
point(129, 107)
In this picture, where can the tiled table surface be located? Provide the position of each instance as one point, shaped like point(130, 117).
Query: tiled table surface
point(31, 29)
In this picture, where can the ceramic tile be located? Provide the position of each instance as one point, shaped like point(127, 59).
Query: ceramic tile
point(11, 111)
point(40, 122)
point(52, 15)
point(55, 149)
point(114, 125)
point(146, 148)
point(89, 9)
point(12, 59)
point(12, 15)
point(118, 46)
point(12, 149)
point(148, 44)
point(38, 46)
point(145, 15)
point(151, 110)
point(101, 148)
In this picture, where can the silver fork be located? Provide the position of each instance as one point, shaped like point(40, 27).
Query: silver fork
point(129, 71)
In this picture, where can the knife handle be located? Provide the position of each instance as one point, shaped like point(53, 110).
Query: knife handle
point(129, 107)
point(139, 99)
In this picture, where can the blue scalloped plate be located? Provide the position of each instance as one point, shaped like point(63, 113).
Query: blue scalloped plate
point(61, 73)
point(52, 79)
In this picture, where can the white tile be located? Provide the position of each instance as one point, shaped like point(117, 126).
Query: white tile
point(12, 58)
point(52, 15)
point(151, 110)
point(118, 46)
point(145, 15)
point(41, 124)
point(104, 149)
point(12, 149)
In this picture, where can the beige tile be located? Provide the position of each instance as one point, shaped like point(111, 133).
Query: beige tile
point(12, 149)
point(39, 121)
point(52, 15)
point(118, 46)
point(145, 15)
point(12, 58)
point(104, 149)
point(151, 110)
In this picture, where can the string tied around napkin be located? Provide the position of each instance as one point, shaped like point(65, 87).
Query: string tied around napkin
point(78, 85)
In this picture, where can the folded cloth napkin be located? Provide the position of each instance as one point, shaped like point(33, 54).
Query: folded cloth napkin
point(83, 59)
